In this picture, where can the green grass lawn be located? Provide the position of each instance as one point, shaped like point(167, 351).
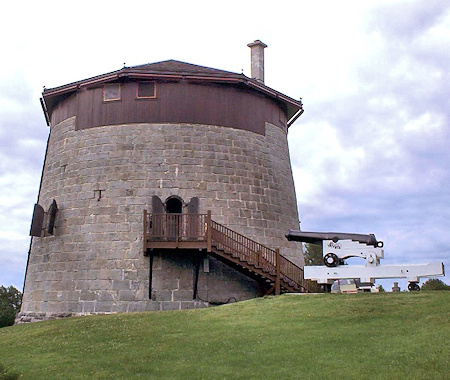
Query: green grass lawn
point(327, 336)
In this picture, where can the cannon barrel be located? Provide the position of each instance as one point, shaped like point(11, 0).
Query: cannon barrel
point(319, 237)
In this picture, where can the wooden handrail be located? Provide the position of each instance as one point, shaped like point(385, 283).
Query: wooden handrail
point(242, 247)
point(200, 227)
point(175, 227)
point(257, 254)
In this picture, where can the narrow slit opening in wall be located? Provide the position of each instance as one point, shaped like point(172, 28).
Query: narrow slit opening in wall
point(98, 194)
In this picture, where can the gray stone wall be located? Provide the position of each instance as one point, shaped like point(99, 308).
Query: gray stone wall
point(103, 178)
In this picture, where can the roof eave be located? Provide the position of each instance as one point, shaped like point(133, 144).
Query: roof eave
point(293, 107)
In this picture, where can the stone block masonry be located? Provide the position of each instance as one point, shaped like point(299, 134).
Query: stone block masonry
point(103, 178)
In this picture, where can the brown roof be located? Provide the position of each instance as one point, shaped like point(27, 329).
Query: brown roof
point(172, 66)
point(172, 69)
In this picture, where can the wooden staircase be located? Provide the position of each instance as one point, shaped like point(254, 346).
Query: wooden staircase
point(272, 271)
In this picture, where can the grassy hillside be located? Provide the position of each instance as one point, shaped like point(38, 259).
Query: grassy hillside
point(329, 336)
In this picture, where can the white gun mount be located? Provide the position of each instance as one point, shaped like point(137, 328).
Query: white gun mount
point(339, 246)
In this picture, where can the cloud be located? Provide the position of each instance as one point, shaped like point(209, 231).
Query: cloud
point(376, 158)
point(407, 20)
point(22, 146)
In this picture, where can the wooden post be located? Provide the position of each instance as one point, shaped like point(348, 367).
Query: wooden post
point(145, 233)
point(278, 279)
point(150, 276)
point(208, 231)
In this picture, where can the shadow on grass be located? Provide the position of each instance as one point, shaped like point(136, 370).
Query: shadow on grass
point(6, 375)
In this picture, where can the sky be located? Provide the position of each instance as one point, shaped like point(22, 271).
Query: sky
point(370, 154)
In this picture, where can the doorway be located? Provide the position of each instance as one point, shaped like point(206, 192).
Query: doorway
point(174, 209)
point(174, 206)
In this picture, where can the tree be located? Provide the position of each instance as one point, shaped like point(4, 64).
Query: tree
point(10, 302)
point(435, 284)
point(313, 254)
point(381, 289)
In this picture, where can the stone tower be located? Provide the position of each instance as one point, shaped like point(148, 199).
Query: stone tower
point(168, 138)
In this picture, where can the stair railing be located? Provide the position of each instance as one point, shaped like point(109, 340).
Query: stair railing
point(200, 227)
point(245, 249)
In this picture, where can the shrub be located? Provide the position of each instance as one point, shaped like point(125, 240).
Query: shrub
point(435, 284)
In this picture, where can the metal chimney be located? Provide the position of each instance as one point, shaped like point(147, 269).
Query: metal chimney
point(257, 59)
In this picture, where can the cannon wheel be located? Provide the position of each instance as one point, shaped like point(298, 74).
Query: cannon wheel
point(330, 260)
point(413, 287)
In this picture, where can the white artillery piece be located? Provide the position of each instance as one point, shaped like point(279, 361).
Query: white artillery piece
point(339, 246)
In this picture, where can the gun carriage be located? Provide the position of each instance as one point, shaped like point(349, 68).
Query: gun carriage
point(337, 247)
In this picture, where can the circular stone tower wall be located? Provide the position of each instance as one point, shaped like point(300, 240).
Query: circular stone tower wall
point(104, 176)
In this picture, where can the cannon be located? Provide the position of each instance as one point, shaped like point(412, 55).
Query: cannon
point(339, 246)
